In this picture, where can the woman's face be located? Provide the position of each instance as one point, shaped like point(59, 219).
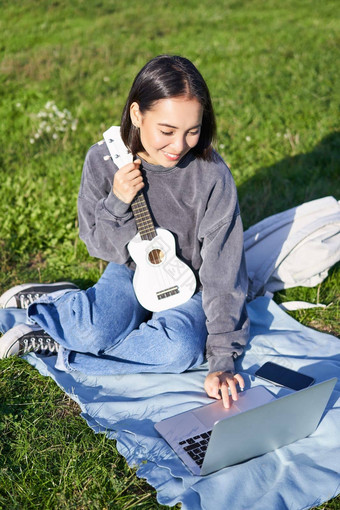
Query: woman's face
point(169, 130)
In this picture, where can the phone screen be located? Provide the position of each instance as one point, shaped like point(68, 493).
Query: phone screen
point(283, 376)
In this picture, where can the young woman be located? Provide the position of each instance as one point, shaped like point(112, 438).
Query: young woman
point(168, 125)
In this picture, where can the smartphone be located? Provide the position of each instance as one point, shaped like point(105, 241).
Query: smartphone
point(282, 376)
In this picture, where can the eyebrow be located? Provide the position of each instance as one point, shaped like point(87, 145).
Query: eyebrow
point(175, 127)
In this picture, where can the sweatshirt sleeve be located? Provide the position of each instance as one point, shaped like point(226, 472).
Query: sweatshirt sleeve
point(106, 224)
point(224, 278)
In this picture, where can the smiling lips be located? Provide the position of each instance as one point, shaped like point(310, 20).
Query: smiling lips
point(171, 157)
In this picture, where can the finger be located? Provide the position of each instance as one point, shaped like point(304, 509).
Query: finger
point(127, 190)
point(136, 164)
point(225, 395)
point(126, 182)
point(128, 186)
point(134, 174)
point(138, 186)
point(213, 389)
point(233, 389)
point(240, 380)
point(130, 167)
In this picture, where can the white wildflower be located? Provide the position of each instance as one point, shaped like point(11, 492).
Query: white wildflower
point(294, 140)
point(248, 138)
point(54, 121)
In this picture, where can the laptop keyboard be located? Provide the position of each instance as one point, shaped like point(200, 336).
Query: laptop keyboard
point(196, 446)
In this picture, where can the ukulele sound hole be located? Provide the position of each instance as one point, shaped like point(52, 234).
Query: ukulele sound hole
point(156, 256)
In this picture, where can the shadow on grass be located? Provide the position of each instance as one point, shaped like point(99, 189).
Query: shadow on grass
point(292, 181)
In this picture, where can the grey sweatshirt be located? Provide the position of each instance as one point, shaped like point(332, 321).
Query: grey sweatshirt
point(196, 201)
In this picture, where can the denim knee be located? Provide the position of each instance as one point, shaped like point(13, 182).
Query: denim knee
point(186, 352)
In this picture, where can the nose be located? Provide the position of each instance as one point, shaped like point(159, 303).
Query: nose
point(179, 144)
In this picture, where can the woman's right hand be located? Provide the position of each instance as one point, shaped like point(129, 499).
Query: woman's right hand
point(128, 181)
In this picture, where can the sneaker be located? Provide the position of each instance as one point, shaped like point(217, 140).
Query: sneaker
point(22, 296)
point(24, 338)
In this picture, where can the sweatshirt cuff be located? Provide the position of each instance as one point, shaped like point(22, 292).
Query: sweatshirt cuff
point(115, 206)
point(221, 364)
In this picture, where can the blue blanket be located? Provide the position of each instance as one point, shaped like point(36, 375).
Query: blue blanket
point(298, 476)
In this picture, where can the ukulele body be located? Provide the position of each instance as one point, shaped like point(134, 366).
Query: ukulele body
point(161, 280)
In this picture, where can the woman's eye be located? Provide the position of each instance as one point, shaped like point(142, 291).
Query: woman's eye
point(167, 133)
point(194, 132)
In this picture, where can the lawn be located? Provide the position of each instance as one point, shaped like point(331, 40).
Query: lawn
point(65, 71)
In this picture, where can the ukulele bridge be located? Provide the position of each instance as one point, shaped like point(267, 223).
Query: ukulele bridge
point(167, 292)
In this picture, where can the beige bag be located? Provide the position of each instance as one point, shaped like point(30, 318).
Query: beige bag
point(293, 248)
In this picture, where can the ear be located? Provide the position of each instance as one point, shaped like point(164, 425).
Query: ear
point(135, 115)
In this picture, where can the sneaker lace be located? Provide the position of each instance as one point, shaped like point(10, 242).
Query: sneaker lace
point(27, 299)
point(39, 344)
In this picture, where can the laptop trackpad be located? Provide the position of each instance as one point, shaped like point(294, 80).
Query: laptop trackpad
point(254, 397)
point(249, 399)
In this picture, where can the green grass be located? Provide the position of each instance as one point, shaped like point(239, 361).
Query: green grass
point(272, 71)
point(49, 457)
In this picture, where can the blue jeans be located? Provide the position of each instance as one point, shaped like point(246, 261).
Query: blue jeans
point(105, 331)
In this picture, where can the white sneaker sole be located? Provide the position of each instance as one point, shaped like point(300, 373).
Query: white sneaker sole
point(7, 300)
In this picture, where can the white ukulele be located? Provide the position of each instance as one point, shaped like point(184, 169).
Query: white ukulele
point(161, 279)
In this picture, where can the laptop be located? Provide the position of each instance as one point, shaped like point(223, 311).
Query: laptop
point(211, 437)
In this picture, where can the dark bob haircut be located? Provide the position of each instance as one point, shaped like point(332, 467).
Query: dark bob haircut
point(164, 77)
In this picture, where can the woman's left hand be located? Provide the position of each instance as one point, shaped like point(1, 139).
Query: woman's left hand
point(217, 384)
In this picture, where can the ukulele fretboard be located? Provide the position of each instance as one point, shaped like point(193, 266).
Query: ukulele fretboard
point(143, 218)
